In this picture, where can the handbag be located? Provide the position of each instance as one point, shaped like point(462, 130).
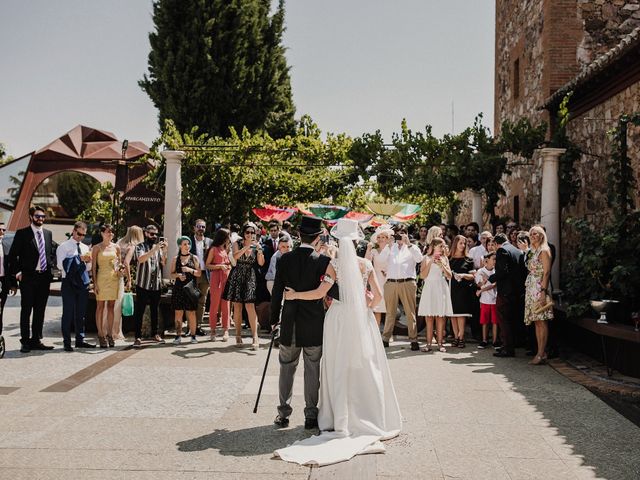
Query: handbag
point(191, 291)
point(127, 304)
point(544, 306)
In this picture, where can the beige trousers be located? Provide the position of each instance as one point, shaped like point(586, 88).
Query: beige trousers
point(405, 292)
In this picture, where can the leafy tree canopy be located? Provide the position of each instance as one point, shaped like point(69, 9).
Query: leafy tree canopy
point(217, 64)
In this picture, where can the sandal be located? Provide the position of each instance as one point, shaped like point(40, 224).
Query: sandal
point(442, 349)
point(460, 343)
point(255, 345)
point(454, 342)
point(538, 360)
point(426, 349)
point(110, 341)
point(238, 340)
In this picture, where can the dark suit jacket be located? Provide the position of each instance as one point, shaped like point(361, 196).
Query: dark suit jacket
point(508, 276)
point(207, 246)
point(24, 255)
point(269, 251)
point(300, 269)
point(8, 281)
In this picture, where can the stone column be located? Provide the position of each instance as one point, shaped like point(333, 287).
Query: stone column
point(476, 209)
point(550, 207)
point(172, 203)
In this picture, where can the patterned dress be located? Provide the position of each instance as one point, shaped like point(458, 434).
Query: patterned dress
point(533, 291)
point(242, 282)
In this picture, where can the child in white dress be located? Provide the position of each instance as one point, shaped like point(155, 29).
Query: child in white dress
point(436, 296)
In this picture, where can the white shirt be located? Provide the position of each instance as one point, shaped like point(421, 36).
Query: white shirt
point(478, 253)
point(271, 273)
point(487, 297)
point(200, 252)
point(1, 259)
point(401, 261)
point(69, 249)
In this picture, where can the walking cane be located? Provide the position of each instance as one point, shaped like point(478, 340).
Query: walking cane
point(274, 334)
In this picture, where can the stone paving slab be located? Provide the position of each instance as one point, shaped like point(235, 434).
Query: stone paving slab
point(168, 412)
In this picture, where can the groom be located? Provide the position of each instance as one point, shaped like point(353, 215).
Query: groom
point(302, 321)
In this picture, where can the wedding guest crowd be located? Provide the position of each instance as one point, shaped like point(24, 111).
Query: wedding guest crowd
point(455, 280)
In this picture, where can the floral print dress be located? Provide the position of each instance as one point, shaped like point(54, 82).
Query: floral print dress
point(533, 291)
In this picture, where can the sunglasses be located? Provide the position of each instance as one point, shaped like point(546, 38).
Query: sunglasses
point(40, 216)
point(250, 232)
point(3, 229)
point(81, 234)
point(201, 227)
point(152, 234)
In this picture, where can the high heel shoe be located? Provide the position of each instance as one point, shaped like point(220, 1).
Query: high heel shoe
point(225, 337)
point(110, 341)
point(103, 342)
point(538, 360)
point(238, 340)
point(255, 345)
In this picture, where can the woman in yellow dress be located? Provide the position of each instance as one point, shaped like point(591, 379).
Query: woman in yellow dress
point(106, 270)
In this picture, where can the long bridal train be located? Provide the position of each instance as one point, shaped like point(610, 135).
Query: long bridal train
point(358, 406)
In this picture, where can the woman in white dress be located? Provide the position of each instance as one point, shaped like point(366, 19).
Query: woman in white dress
point(435, 301)
point(358, 406)
point(380, 240)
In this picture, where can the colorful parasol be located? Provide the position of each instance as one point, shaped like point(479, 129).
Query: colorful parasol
point(325, 212)
point(409, 212)
point(386, 209)
point(269, 212)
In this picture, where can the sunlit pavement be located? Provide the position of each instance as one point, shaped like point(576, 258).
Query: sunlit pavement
point(178, 412)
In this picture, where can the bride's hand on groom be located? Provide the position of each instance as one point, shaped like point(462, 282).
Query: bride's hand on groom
point(289, 293)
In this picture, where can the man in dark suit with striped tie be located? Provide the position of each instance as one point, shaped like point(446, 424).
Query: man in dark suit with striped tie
point(31, 257)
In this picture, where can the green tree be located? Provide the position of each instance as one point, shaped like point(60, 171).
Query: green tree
point(75, 192)
point(216, 64)
point(4, 158)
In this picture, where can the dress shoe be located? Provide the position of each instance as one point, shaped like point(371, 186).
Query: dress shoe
point(281, 422)
point(25, 349)
point(85, 345)
point(414, 346)
point(385, 344)
point(504, 354)
point(68, 348)
point(40, 346)
point(200, 332)
point(310, 423)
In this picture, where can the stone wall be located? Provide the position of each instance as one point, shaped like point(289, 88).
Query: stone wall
point(554, 40)
point(589, 132)
point(605, 23)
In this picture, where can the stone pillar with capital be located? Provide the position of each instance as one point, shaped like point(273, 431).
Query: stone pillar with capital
point(172, 203)
point(550, 205)
point(476, 208)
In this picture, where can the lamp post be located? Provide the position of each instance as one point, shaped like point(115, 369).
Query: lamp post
point(122, 179)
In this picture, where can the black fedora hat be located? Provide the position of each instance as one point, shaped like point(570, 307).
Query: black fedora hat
point(310, 226)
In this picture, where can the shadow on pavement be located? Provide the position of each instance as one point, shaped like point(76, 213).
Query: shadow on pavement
point(244, 442)
point(578, 426)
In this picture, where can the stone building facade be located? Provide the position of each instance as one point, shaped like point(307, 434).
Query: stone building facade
point(545, 49)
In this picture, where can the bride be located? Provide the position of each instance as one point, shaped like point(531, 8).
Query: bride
point(358, 405)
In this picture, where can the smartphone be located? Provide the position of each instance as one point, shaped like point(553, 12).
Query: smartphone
point(324, 238)
point(397, 236)
point(161, 239)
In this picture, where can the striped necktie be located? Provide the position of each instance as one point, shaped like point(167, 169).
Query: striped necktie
point(43, 257)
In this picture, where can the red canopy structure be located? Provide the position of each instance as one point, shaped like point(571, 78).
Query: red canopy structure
point(82, 149)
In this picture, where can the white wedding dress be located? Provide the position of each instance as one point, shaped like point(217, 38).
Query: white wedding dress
point(358, 406)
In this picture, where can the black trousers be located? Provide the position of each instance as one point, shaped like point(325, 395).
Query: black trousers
point(152, 298)
point(34, 292)
point(4, 284)
point(506, 307)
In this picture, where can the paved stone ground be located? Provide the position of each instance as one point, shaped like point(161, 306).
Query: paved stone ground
point(185, 412)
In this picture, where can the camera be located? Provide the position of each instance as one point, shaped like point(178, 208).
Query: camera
point(162, 239)
point(397, 236)
point(324, 238)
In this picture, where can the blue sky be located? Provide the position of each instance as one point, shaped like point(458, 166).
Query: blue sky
point(356, 66)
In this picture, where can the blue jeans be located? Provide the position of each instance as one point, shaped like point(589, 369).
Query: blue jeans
point(74, 307)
